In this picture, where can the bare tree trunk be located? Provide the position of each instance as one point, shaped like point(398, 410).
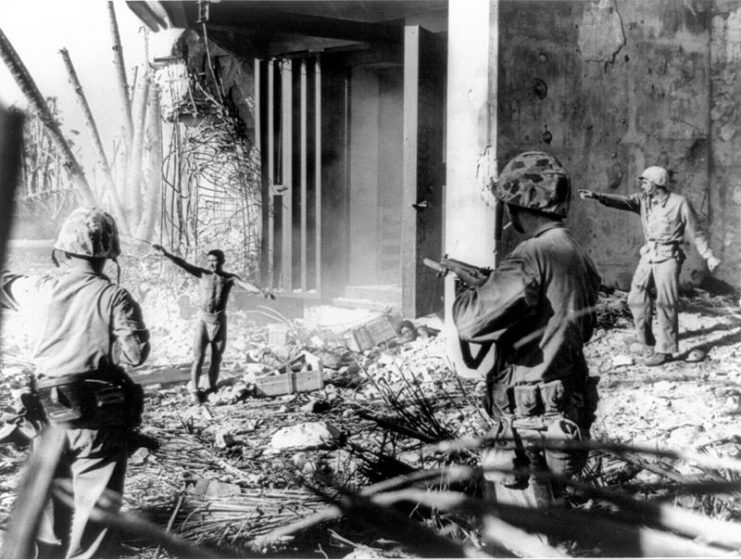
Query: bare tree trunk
point(118, 62)
point(31, 91)
point(11, 151)
point(102, 159)
point(152, 197)
point(134, 168)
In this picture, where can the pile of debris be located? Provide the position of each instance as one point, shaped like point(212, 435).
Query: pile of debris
point(318, 437)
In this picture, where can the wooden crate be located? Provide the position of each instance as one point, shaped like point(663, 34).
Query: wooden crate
point(381, 330)
point(376, 331)
point(358, 339)
point(289, 383)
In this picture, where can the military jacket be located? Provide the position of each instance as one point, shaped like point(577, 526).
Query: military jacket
point(537, 305)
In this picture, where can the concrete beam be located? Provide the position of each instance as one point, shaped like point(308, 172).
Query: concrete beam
point(473, 47)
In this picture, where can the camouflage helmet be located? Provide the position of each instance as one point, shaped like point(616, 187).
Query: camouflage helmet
point(657, 175)
point(89, 232)
point(535, 180)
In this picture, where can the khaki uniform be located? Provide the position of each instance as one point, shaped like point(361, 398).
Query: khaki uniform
point(665, 219)
point(85, 325)
point(538, 307)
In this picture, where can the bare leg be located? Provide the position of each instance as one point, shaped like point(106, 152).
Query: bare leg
point(218, 345)
point(217, 351)
point(200, 341)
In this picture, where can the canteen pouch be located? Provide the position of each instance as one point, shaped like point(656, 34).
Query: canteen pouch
point(561, 459)
point(527, 400)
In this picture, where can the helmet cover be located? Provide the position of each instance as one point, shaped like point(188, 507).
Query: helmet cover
point(89, 232)
point(657, 175)
point(535, 180)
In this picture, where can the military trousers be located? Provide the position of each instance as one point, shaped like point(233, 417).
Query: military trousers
point(94, 460)
point(663, 278)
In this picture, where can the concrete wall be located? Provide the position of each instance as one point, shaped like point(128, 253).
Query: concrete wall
point(725, 138)
point(613, 86)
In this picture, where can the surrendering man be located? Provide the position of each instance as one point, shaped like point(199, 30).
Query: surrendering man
point(214, 287)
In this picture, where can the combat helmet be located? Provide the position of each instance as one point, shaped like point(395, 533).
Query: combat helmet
point(535, 180)
point(90, 233)
point(657, 175)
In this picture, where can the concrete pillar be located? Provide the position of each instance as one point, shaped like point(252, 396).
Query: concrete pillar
point(473, 45)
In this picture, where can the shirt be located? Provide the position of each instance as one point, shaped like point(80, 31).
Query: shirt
point(664, 218)
point(85, 321)
point(538, 306)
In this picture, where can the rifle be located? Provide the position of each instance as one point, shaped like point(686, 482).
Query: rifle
point(468, 274)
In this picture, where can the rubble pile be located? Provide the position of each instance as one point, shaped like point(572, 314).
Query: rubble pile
point(304, 413)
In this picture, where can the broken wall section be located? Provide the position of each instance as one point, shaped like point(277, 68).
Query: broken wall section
point(212, 172)
point(612, 87)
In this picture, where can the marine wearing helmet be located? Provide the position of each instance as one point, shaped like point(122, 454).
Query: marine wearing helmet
point(89, 233)
point(534, 181)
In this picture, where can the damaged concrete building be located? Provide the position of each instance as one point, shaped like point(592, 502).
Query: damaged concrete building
point(379, 126)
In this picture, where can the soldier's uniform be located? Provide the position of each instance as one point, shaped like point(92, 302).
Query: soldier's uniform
point(87, 327)
point(665, 218)
point(538, 307)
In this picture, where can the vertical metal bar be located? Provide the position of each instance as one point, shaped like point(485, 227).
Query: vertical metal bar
point(318, 172)
point(258, 105)
point(271, 171)
point(257, 96)
point(304, 236)
point(287, 167)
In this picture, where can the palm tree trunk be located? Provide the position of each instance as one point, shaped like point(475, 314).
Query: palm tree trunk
point(25, 82)
point(153, 194)
point(134, 167)
point(102, 159)
point(118, 62)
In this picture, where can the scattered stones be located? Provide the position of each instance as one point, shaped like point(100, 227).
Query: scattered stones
point(306, 435)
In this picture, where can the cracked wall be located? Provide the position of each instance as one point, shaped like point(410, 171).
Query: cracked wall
point(613, 86)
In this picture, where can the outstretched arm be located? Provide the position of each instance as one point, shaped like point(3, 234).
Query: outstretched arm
point(187, 266)
point(630, 203)
point(252, 288)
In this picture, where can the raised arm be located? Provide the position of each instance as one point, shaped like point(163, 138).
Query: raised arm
point(19, 292)
point(252, 288)
point(187, 266)
point(630, 203)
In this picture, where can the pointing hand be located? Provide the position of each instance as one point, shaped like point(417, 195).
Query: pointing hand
point(585, 194)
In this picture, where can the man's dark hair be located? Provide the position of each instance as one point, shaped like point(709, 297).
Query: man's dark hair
point(218, 254)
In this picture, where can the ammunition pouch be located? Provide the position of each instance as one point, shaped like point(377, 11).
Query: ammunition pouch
point(557, 397)
point(553, 410)
point(92, 400)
